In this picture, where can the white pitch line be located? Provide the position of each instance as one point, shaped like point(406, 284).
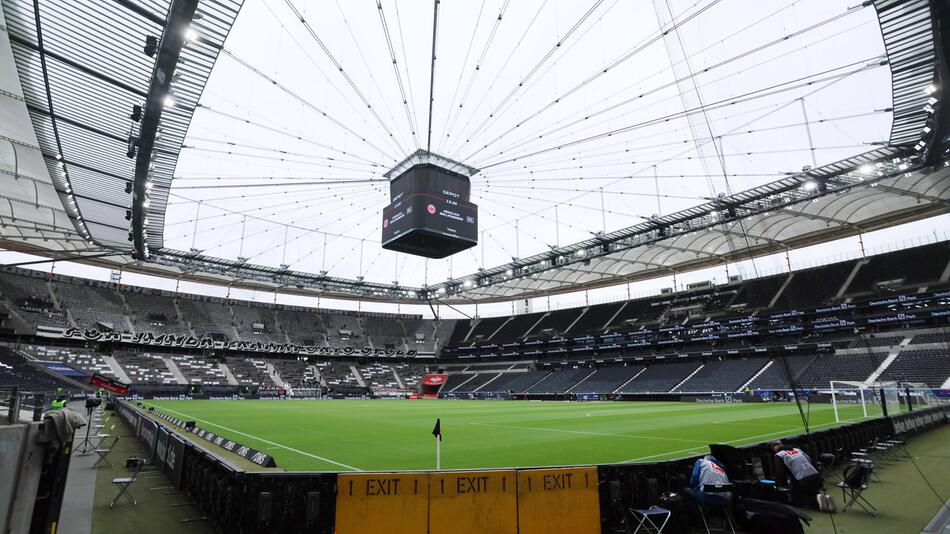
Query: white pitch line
point(779, 433)
point(587, 433)
point(298, 451)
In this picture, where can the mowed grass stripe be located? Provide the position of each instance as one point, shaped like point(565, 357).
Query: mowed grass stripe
point(257, 438)
point(396, 434)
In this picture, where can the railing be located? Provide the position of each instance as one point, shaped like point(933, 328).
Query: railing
point(14, 401)
point(267, 502)
point(542, 305)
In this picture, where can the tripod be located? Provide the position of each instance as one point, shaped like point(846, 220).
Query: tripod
point(86, 444)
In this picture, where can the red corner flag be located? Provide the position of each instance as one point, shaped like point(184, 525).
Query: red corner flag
point(437, 431)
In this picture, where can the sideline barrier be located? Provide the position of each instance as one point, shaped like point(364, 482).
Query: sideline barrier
point(320, 503)
point(381, 502)
point(462, 502)
point(260, 458)
point(558, 500)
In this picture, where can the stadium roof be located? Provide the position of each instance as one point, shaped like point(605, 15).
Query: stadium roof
point(613, 142)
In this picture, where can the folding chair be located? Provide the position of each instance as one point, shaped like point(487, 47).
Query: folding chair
point(863, 456)
point(648, 518)
point(724, 509)
point(124, 484)
point(856, 478)
point(104, 451)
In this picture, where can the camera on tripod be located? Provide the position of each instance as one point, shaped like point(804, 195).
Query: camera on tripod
point(92, 404)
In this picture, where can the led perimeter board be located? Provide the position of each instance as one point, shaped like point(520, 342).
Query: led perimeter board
point(429, 213)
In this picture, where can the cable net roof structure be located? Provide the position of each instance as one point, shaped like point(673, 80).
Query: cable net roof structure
point(614, 140)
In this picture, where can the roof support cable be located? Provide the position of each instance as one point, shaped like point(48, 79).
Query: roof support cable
point(772, 90)
point(450, 121)
point(285, 132)
point(550, 53)
point(392, 56)
point(346, 75)
point(313, 107)
point(435, 35)
point(639, 47)
point(586, 116)
point(458, 83)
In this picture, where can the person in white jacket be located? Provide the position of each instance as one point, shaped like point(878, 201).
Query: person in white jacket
point(707, 471)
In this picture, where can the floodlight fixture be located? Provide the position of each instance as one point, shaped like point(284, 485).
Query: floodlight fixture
point(151, 45)
point(132, 147)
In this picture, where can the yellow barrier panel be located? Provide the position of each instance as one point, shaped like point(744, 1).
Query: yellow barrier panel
point(473, 502)
point(395, 503)
point(558, 500)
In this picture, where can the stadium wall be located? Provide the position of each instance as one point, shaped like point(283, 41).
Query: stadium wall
point(587, 499)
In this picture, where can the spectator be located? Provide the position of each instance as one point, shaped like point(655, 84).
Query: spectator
point(58, 404)
point(793, 466)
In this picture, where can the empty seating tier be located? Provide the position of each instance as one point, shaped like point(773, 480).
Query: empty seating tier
point(660, 378)
point(476, 382)
point(851, 367)
point(722, 376)
point(776, 375)
point(931, 367)
point(607, 379)
point(560, 381)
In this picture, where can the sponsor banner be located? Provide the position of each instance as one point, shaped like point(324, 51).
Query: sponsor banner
point(192, 342)
point(256, 456)
point(62, 368)
point(131, 416)
point(161, 445)
point(718, 398)
point(174, 459)
point(147, 431)
point(109, 384)
point(434, 380)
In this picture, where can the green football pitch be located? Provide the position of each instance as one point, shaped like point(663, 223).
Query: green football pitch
point(377, 435)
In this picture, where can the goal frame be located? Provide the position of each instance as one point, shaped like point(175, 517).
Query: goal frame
point(851, 385)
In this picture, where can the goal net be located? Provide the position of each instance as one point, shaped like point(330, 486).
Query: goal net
point(920, 394)
point(859, 400)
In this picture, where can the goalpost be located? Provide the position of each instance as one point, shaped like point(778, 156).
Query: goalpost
point(921, 395)
point(855, 400)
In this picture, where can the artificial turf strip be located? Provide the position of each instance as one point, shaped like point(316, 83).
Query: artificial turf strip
point(906, 503)
point(156, 511)
point(347, 435)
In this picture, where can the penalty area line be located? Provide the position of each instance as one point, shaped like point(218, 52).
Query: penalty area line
point(262, 440)
point(735, 441)
point(588, 433)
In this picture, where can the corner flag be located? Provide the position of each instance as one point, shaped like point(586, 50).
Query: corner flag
point(437, 432)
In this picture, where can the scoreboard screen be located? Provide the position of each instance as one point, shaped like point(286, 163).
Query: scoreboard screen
point(430, 214)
